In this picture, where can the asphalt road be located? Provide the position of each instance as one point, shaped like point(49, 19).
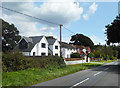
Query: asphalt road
point(106, 76)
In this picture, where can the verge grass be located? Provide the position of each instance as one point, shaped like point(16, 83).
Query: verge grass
point(33, 76)
point(104, 61)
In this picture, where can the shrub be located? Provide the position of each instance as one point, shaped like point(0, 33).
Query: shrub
point(14, 61)
point(75, 55)
point(114, 58)
point(51, 61)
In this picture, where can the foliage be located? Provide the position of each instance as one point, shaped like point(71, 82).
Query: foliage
point(14, 61)
point(91, 55)
point(106, 52)
point(53, 61)
point(75, 55)
point(10, 36)
point(80, 39)
point(113, 31)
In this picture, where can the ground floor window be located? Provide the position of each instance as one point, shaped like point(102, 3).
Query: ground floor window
point(43, 54)
point(56, 54)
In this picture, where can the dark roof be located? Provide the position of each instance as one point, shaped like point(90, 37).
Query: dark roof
point(36, 39)
point(50, 40)
point(32, 40)
point(27, 39)
point(66, 45)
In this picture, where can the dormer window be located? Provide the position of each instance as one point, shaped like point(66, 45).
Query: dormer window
point(23, 43)
point(43, 45)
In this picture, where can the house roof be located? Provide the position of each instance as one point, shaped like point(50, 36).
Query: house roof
point(78, 46)
point(27, 39)
point(32, 40)
point(66, 45)
point(51, 40)
point(36, 39)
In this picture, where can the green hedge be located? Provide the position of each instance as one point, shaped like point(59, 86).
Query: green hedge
point(75, 55)
point(14, 61)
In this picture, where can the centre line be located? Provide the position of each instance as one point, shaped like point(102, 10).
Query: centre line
point(97, 73)
point(80, 83)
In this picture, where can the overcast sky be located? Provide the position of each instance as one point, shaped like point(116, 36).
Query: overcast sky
point(88, 18)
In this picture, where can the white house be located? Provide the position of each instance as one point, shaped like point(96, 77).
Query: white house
point(53, 46)
point(34, 46)
point(67, 50)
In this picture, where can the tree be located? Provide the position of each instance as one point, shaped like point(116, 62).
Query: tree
point(80, 39)
point(113, 31)
point(10, 36)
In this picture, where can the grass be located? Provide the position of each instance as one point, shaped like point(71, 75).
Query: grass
point(33, 76)
point(103, 61)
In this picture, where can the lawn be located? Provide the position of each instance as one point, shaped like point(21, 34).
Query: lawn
point(33, 76)
point(104, 61)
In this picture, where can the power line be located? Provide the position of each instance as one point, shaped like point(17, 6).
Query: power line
point(69, 30)
point(29, 15)
point(35, 18)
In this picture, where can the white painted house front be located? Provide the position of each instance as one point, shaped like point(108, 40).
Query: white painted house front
point(34, 46)
point(67, 50)
point(53, 46)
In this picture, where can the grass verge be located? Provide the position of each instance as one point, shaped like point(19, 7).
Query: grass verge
point(103, 61)
point(33, 76)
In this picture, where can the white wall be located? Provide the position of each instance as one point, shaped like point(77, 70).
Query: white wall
point(56, 51)
point(74, 62)
point(38, 49)
point(67, 52)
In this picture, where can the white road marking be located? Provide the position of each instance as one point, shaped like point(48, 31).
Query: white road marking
point(80, 83)
point(106, 69)
point(97, 73)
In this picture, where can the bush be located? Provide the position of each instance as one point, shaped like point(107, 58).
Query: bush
point(51, 61)
point(75, 55)
point(13, 61)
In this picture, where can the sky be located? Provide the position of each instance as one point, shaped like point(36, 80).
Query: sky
point(87, 18)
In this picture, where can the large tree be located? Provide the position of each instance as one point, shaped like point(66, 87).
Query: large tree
point(80, 39)
point(113, 31)
point(10, 36)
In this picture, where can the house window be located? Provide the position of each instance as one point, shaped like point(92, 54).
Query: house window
point(43, 54)
point(56, 54)
point(56, 47)
point(23, 44)
point(43, 45)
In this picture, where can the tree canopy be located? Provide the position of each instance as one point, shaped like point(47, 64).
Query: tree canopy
point(80, 39)
point(10, 36)
point(113, 31)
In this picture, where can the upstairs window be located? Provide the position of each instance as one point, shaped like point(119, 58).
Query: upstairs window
point(23, 43)
point(56, 47)
point(43, 45)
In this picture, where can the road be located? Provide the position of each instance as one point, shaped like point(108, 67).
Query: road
point(106, 76)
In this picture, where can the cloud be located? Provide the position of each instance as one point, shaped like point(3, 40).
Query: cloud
point(97, 40)
point(92, 9)
point(47, 28)
point(103, 29)
point(60, 13)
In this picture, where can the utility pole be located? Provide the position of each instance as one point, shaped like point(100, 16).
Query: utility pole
point(60, 41)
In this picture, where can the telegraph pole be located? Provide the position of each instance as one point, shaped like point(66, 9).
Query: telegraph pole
point(60, 41)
